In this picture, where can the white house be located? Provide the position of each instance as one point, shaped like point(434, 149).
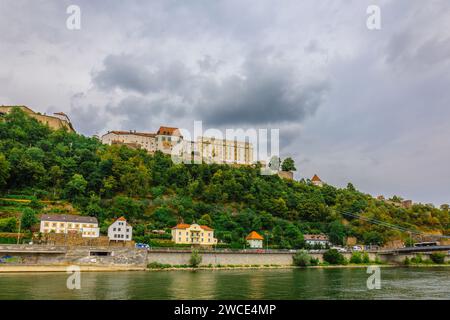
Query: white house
point(316, 239)
point(120, 230)
point(255, 240)
point(66, 223)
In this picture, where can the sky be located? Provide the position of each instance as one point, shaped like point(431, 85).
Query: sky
point(371, 107)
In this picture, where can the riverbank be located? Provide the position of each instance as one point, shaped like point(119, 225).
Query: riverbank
point(63, 268)
point(115, 268)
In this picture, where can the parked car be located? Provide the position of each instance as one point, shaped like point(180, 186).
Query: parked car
point(142, 246)
point(357, 248)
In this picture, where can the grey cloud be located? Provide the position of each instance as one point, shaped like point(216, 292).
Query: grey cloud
point(142, 113)
point(130, 73)
point(265, 90)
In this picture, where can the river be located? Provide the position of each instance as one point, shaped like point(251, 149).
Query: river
point(342, 283)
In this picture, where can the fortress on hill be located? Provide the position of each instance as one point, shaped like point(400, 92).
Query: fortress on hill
point(208, 149)
point(58, 120)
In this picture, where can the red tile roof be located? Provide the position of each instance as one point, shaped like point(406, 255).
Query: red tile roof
point(181, 226)
point(168, 131)
point(254, 236)
point(315, 178)
point(122, 219)
point(185, 226)
point(321, 237)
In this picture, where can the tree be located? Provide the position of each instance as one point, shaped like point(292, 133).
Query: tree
point(4, 171)
point(438, 257)
point(56, 175)
point(333, 256)
point(8, 225)
point(288, 165)
point(301, 258)
point(195, 259)
point(373, 237)
point(28, 218)
point(336, 232)
point(76, 186)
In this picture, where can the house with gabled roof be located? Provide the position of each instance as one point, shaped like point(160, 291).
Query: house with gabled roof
point(316, 181)
point(120, 230)
point(194, 234)
point(255, 240)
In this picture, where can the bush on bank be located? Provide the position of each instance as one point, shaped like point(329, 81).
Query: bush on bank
point(333, 256)
point(302, 259)
point(359, 258)
point(438, 257)
point(195, 259)
point(435, 258)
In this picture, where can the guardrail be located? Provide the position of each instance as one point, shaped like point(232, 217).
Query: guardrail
point(21, 248)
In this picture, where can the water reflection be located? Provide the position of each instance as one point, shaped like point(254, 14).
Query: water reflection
point(397, 283)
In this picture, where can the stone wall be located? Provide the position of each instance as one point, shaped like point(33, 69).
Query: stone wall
point(76, 239)
point(231, 258)
point(42, 255)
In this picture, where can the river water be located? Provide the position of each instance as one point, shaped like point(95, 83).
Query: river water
point(343, 283)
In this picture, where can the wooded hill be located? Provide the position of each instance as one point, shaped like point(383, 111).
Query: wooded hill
point(153, 193)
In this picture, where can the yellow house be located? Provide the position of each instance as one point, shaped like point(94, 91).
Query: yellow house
point(195, 234)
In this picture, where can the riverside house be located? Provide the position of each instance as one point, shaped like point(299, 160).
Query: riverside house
point(65, 223)
point(193, 234)
point(255, 240)
point(316, 239)
point(120, 230)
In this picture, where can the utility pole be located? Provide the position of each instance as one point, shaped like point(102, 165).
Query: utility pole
point(20, 225)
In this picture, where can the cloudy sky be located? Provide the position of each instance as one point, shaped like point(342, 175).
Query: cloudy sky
point(352, 104)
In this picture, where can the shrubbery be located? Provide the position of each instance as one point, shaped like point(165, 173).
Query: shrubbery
point(360, 257)
point(438, 257)
point(157, 265)
point(195, 259)
point(333, 256)
point(302, 259)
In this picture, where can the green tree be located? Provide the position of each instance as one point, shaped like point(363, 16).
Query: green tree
point(333, 256)
point(288, 165)
point(28, 218)
point(374, 237)
point(438, 257)
point(195, 259)
point(4, 171)
point(301, 259)
point(76, 186)
point(56, 177)
point(336, 232)
point(8, 225)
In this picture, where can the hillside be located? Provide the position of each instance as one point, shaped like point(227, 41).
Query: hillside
point(153, 193)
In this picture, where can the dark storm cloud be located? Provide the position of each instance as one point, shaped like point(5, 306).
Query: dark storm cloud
point(265, 94)
point(126, 72)
point(144, 114)
point(265, 90)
